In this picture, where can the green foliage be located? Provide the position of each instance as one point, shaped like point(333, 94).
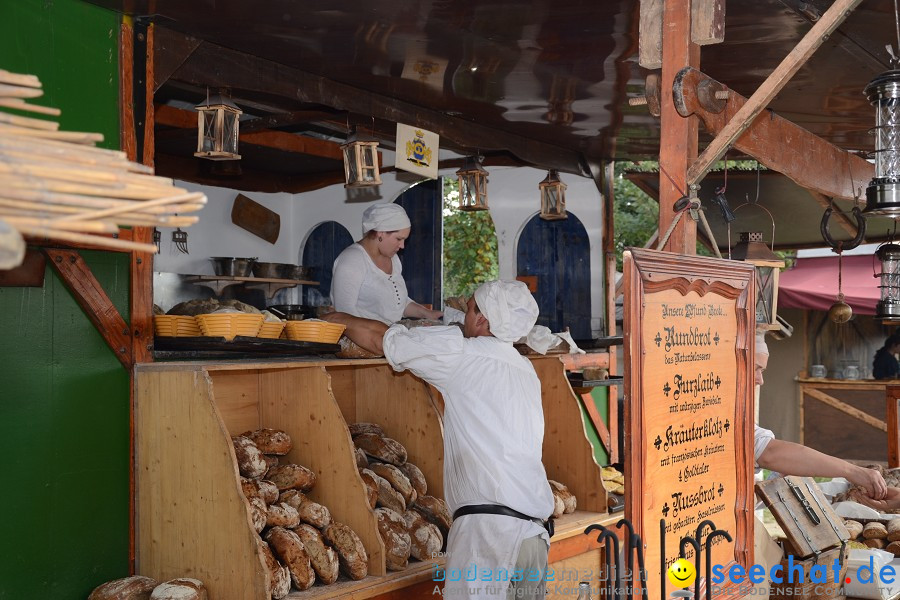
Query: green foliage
point(470, 245)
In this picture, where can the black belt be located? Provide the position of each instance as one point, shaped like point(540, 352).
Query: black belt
point(499, 509)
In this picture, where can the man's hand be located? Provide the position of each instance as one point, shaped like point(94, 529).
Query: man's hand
point(871, 481)
point(890, 501)
point(366, 333)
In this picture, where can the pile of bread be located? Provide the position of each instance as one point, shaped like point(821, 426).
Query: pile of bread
point(613, 480)
point(412, 524)
point(139, 587)
point(875, 534)
point(564, 501)
point(302, 543)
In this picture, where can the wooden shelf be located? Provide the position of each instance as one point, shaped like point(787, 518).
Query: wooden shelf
point(218, 283)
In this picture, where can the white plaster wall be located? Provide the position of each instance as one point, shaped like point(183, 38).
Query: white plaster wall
point(513, 198)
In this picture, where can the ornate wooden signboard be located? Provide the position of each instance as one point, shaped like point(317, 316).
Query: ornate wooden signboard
point(689, 335)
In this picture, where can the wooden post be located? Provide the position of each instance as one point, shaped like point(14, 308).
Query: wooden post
point(609, 254)
point(678, 140)
point(892, 398)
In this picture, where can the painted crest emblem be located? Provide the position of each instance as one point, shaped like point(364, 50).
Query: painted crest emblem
point(417, 151)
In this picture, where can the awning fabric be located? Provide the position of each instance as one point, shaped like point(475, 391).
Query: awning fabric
point(812, 284)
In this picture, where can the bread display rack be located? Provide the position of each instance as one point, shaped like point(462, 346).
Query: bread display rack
point(191, 516)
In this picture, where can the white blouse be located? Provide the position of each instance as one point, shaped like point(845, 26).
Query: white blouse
point(360, 288)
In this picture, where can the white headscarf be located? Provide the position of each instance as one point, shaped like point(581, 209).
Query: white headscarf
point(384, 217)
point(509, 308)
point(761, 346)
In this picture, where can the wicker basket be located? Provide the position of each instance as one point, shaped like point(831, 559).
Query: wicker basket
point(175, 326)
point(322, 332)
point(228, 325)
point(271, 329)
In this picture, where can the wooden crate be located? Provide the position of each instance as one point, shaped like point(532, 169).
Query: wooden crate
point(191, 518)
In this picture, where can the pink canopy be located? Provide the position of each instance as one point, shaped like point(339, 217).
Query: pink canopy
point(812, 283)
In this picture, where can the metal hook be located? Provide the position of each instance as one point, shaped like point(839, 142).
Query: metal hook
point(612, 554)
point(697, 549)
point(709, 538)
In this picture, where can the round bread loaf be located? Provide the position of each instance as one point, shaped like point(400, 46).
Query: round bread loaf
point(250, 460)
point(368, 478)
point(381, 448)
point(258, 513)
point(271, 461)
point(323, 558)
point(259, 488)
point(309, 512)
point(559, 506)
point(568, 497)
point(271, 441)
point(137, 587)
point(388, 496)
point(361, 461)
point(893, 530)
point(292, 553)
point(416, 478)
point(290, 476)
point(876, 543)
point(397, 479)
point(436, 511)
point(392, 529)
point(354, 561)
point(361, 428)
point(855, 528)
point(425, 537)
point(182, 588)
point(279, 580)
point(894, 548)
point(874, 530)
point(282, 515)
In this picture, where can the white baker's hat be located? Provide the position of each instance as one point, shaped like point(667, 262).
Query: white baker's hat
point(509, 308)
point(384, 217)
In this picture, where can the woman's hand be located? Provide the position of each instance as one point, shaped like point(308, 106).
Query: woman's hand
point(871, 481)
point(891, 500)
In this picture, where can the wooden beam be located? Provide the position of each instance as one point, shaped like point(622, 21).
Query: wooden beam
point(846, 408)
point(97, 306)
point(217, 66)
point(599, 426)
point(170, 50)
point(707, 27)
point(678, 137)
point(773, 84)
point(608, 198)
point(707, 22)
point(892, 416)
point(780, 145)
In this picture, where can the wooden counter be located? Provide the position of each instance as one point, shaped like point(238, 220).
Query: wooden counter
point(191, 517)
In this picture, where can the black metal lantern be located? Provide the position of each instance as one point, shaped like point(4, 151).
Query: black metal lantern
point(472, 185)
point(888, 307)
point(553, 197)
point(218, 122)
point(752, 249)
point(360, 162)
point(883, 192)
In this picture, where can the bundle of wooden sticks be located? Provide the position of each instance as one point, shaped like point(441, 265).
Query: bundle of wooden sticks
point(55, 184)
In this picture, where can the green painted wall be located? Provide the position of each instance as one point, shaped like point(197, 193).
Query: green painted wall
point(63, 394)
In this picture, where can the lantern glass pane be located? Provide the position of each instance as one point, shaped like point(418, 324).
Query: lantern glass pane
point(552, 199)
point(887, 140)
point(765, 294)
point(230, 138)
point(209, 131)
point(465, 190)
point(368, 156)
point(350, 161)
point(890, 287)
point(890, 265)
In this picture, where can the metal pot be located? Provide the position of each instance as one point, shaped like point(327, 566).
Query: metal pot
point(293, 312)
point(269, 270)
point(231, 266)
point(297, 272)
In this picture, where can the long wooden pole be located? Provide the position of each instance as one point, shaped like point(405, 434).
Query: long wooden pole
point(773, 84)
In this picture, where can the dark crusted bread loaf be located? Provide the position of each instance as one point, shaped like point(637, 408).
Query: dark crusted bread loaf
point(127, 588)
point(250, 460)
point(323, 558)
point(395, 536)
point(182, 588)
point(271, 441)
point(351, 553)
point(292, 477)
point(292, 553)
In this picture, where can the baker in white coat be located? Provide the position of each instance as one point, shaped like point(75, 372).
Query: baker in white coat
point(494, 481)
point(368, 276)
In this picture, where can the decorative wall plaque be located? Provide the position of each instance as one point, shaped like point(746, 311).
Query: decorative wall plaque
point(689, 335)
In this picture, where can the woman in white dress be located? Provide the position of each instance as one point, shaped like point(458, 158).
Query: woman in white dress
point(367, 278)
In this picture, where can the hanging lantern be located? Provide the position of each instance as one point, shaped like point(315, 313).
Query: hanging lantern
point(472, 185)
point(753, 250)
point(218, 121)
point(888, 307)
point(360, 162)
point(553, 197)
point(883, 192)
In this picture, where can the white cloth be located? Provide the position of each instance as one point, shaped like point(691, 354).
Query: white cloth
point(360, 288)
point(761, 439)
point(493, 434)
point(509, 308)
point(384, 217)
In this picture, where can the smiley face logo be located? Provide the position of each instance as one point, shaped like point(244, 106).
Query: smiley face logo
point(682, 573)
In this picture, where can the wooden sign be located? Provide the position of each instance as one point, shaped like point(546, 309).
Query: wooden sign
point(689, 333)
